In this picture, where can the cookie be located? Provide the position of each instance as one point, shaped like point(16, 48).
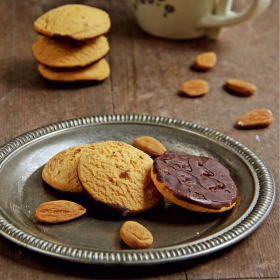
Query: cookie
point(98, 71)
point(118, 175)
point(197, 183)
point(69, 54)
point(61, 173)
point(78, 22)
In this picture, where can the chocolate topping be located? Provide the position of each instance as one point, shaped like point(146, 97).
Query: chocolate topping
point(119, 208)
point(198, 180)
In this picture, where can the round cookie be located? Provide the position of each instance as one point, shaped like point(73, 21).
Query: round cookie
point(61, 172)
point(69, 54)
point(118, 175)
point(98, 71)
point(74, 21)
point(197, 183)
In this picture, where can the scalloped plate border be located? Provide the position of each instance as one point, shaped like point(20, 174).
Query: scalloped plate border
point(148, 256)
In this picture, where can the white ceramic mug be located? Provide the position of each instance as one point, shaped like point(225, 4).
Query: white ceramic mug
point(188, 19)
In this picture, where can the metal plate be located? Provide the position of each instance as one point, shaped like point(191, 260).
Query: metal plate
point(178, 233)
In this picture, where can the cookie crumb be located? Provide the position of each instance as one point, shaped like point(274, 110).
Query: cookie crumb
point(125, 174)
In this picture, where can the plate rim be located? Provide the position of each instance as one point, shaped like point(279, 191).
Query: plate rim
point(188, 250)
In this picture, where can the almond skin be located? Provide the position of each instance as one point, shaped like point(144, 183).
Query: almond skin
point(256, 118)
point(135, 235)
point(149, 145)
point(58, 211)
point(241, 87)
point(205, 61)
point(195, 88)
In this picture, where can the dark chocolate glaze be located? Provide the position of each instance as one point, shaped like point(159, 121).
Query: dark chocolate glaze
point(119, 209)
point(198, 180)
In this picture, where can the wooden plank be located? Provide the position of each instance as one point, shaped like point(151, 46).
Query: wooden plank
point(147, 74)
point(19, 263)
point(148, 81)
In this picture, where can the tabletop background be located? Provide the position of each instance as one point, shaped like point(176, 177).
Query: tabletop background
point(146, 77)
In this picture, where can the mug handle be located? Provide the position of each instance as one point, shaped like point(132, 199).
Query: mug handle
point(225, 17)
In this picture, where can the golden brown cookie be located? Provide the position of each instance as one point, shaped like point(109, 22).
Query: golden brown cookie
point(69, 54)
point(118, 175)
point(98, 71)
point(61, 172)
point(197, 183)
point(78, 22)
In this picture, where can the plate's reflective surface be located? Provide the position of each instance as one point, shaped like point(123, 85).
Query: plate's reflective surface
point(22, 190)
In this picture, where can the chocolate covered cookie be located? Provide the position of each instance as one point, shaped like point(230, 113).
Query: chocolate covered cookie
point(197, 183)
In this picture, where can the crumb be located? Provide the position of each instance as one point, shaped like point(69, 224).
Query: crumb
point(44, 92)
point(125, 174)
point(197, 233)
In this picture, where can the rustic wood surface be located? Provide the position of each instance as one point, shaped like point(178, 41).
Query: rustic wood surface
point(146, 77)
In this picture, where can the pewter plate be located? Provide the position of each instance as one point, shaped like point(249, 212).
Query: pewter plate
point(179, 234)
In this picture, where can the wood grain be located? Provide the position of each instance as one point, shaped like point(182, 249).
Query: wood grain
point(147, 74)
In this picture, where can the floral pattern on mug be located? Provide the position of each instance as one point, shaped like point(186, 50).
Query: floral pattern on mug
point(167, 8)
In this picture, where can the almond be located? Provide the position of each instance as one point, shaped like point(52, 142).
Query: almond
point(194, 88)
point(241, 87)
point(149, 145)
point(205, 61)
point(256, 118)
point(58, 211)
point(135, 235)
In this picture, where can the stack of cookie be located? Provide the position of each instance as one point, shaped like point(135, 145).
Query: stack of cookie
point(71, 47)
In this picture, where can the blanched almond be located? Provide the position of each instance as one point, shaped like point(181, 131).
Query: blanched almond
point(149, 145)
point(241, 87)
point(135, 235)
point(256, 118)
point(58, 211)
point(205, 61)
point(194, 88)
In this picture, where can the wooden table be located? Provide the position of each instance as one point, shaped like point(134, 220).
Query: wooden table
point(146, 77)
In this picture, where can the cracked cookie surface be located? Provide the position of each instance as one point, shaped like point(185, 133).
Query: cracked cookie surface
point(73, 21)
point(68, 54)
point(116, 173)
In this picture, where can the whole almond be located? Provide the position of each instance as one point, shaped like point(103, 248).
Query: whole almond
point(149, 145)
point(256, 118)
point(58, 211)
point(135, 235)
point(205, 61)
point(194, 88)
point(241, 87)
